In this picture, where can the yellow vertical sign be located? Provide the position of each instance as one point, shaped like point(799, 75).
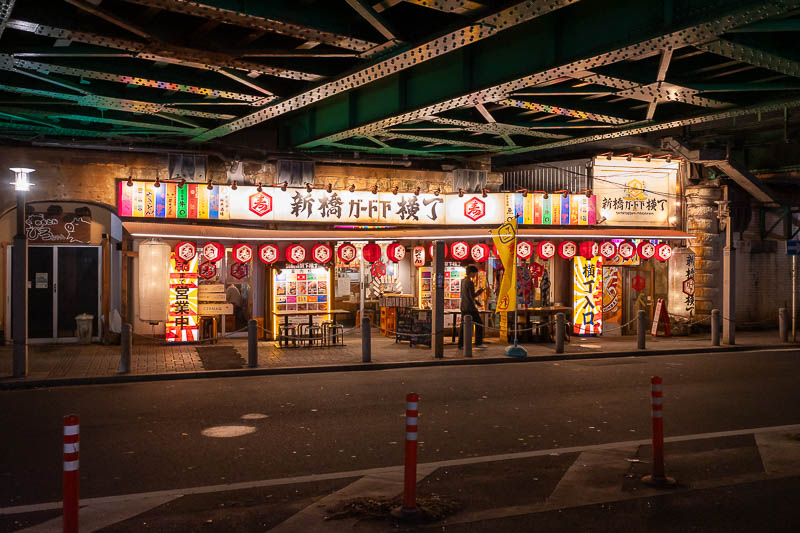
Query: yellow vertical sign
point(505, 240)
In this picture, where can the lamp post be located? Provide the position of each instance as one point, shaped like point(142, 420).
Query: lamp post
point(19, 277)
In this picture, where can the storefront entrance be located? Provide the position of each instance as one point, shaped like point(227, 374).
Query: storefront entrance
point(63, 282)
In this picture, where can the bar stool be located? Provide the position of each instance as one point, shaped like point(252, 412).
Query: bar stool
point(335, 333)
point(286, 334)
point(325, 333)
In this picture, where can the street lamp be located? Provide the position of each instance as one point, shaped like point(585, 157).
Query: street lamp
point(19, 277)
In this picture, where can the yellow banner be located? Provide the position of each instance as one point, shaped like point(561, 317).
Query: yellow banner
point(505, 240)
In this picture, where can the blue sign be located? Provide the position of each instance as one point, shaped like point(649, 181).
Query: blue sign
point(792, 247)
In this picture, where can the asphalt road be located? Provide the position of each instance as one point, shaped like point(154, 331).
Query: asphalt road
point(149, 436)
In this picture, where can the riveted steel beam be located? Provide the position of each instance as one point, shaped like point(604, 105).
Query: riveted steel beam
point(437, 140)
point(481, 29)
point(779, 105)
point(659, 91)
point(459, 7)
point(752, 56)
point(555, 110)
point(109, 17)
point(55, 115)
point(156, 51)
point(371, 16)
point(697, 31)
point(9, 62)
point(6, 6)
point(74, 132)
point(429, 152)
point(239, 18)
point(494, 128)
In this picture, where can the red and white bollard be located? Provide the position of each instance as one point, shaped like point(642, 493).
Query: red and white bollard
point(71, 472)
point(657, 404)
point(410, 473)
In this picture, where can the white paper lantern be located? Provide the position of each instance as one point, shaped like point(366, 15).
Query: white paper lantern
point(153, 280)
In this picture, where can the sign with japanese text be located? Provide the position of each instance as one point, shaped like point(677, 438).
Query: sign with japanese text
point(182, 318)
point(635, 192)
point(587, 295)
point(66, 228)
point(555, 209)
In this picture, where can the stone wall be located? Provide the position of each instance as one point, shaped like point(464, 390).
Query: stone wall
point(703, 224)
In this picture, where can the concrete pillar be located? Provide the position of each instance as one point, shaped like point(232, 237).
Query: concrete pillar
point(702, 223)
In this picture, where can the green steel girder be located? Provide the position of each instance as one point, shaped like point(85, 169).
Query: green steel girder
point(499, 67)
point(58, 115)
point(555, 110)
point(753, 56)
point(76, 132)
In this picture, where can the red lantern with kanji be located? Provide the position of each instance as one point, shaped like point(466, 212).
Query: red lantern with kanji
point(546, 249)
point(524, 250)
point(608, 249)
point(378, 269)
point(646, 250)
point(371, 252)
point(268, 253)
point(446, 251)
point(479, 252)
point(347, 253)
point(663, 252)
point(626, 249)
point(207, 270)
point(567, 249)
point(213, 251)
point(239, 270)
point(459, 250)
point(185, 250)
point(589, 249)
point(395, 252)
point(295, 253)
point(321, 253)
point(242, 253)
point(419, 256)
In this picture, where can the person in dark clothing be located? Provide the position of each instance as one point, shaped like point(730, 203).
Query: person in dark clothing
point(470, 307)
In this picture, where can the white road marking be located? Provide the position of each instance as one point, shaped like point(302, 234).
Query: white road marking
point(225, 432)
point(390, 469)
point(254, 416)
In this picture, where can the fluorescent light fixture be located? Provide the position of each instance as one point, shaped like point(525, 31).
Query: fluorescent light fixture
point(21, 182)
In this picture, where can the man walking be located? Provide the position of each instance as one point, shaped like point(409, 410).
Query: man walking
point(469, 307)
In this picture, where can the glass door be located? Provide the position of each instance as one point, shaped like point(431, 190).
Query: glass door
point(238, 291)
point(638, 295)
point(78, 288)
point(40, 292)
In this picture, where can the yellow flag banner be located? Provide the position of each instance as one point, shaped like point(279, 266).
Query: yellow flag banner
point(505, 240)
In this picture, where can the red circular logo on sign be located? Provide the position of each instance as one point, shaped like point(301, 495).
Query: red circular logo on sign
point(295, 254)
point(459, 250)
point(378, 269)
point(637, 282)
point(395, 251)
point(608, 249)
point(546, 250)
point(524, 250)
point(480, 252)
point(260, 203)
point(321, 253)
point(207, 270)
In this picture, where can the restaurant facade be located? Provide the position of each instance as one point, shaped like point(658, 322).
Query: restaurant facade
point(195, 261)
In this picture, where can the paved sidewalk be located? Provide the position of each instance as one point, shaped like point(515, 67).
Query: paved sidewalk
point(152, 357)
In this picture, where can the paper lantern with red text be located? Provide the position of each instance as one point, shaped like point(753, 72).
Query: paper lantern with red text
point(589, 249)
point(419, 256)
point(663, 252)
point(185, 250)
point(479, 252)
point(321, 253)
point(347, 253)
point(395, 252)
point(446, 251)
point(371, 252)
point(242, 253)
point(459, 250)
point(646, 250)
point(546, 249)
point(567, 249)
point(524, 250)
point(213, 251)
point(608, 249)
point(268, 253)
point(295, 253)
point(626, 249)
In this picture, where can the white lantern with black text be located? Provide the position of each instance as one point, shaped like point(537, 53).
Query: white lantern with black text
point(153, 262)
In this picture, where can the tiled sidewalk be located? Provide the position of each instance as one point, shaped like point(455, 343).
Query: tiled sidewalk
point(153, 357)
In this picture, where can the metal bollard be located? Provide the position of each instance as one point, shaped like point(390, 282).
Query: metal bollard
point(366, 341)
point(466, 325)
point(783, 324)
point(252, 343)
point(560, 326)
point(126, 340)
point(715, 327)
point(641, 330)
point(658, 478)
point(71, 474)
point(410, 470)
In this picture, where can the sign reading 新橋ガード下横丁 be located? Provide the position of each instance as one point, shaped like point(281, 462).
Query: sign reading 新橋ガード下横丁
point(636, 192)
point(194, 201)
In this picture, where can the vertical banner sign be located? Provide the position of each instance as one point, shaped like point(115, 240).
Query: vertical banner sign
point(587, 295)
point(182, 322)
point(183, 202)
point(125, 199)
point(505, 240)
point(612, 301)
point(172, 191)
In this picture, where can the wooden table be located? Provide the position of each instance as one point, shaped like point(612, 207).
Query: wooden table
point(456, 313)
point(310, 314)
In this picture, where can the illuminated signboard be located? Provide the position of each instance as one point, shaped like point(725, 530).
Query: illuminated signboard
point(587, 295)
point(556, 209)
point(182, 318)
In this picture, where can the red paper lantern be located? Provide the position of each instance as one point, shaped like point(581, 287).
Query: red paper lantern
point(524, 250)
point(663, 252)
point(242, 253)
point(567, 249)
point(419, 256)
point(378, 269)
point(295, 253)
point(626, 250)
point(608, 249)
point(268, 253)
point(371, 252)
point(185, 250)
point(347, 253)
point(589, 249)
point(207, 270)
point(213, 251)
point(479, 252)
point(446, 251)
point(646, 250)
point(459, 250)
point(321, 253)
point(239, 270)
point(495, 252)
point(395, 252)
point(546, 249)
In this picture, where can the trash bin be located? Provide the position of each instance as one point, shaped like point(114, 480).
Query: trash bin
point(84, 323)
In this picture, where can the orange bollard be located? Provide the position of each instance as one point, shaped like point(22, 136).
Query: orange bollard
point(658, 478)
point(410, 473)
point(71, 473)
